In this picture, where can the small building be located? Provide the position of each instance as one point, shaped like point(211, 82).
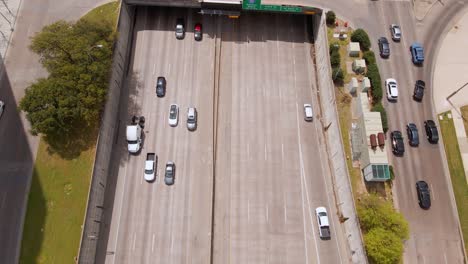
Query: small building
point(353, 49)
point(365, 85)
point(370, 143)
point(359, 66)
point(353, 85)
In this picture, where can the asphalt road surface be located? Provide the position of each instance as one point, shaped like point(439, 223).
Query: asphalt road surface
point(434, 234)
point(249, 81)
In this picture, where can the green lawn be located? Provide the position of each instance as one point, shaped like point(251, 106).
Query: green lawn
point(457, 172)
point(58, 195)
point(56, 207)
point(464, 112)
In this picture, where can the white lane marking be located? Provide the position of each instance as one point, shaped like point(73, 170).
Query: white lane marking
point(154, 68)
point(248, 210)
point(282, 151)
point(433, 193)
point(265, 152)
point(152, 243)
point(168, 69)
point(134, 242)
point(120, 212)
point(267, 213)
point(4, 200)
point(248, 150)
point(445, 258)
point(172, 243)
point(285, 210)
point(304, 182)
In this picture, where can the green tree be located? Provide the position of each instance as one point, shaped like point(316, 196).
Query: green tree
point(369, 57)
point(334, 47)
point(337, 75)
point(374, 212)
point(78, 57)
point(359, 35)
point(383, 246)
point(383, 113)
point(374, 77)
point(335, 59)
point(330, 18)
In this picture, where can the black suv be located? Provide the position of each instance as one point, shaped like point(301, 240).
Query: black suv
point(161, 87)
point(424, 196)
point(431, 131)
point(398, 147)
point(384, 47)
point(413, 137)
point(419, 90)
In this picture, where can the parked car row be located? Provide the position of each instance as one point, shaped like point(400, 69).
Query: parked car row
point(391, 89)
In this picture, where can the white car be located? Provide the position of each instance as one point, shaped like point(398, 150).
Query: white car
point(396, 32)
point(322, 222)
point(173, 115)
point(308, 113)
point(391, 88)
point(192, 118)
point(2, 107)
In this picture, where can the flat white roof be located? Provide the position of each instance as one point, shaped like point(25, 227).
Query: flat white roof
point(373, 125)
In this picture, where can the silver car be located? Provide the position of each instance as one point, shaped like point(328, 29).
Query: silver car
point(395, 30)
point(170, 173)
point(2, 108)
point(173, 115)
point(192, 119)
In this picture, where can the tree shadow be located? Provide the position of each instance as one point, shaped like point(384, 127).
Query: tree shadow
point(70, 146)
point(33, 232)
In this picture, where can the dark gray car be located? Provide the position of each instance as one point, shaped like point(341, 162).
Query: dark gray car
point(431, 131)
point(161, 87)
point(424, 195)
point(413, 136)
point(419, 90)
point(384, 47)
point(170, 173)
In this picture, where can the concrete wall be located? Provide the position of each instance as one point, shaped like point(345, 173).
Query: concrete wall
point(106, 140)
point(336, 153)
point(182, 3)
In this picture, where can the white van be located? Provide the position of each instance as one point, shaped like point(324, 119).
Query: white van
point(308, 113)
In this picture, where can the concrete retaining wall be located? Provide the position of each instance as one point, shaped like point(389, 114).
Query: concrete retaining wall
point(336, 153)
point(107, 134)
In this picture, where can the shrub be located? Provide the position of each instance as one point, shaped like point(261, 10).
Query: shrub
point(335, 59)
point(359, 35)
point(383, 246)
point(337, 75)
point(369, 57)
point(334, 47)
point(392, 173)
point(374, 77)
point(383, 113)
point(330, 18)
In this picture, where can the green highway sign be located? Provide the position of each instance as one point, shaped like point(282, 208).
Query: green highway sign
point(257, 5)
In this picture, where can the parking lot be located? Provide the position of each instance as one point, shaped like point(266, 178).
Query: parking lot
point(252, 150)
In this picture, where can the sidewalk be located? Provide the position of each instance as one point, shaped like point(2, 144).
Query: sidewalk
point(461, 138)
point(449, 75)
point(9, 12)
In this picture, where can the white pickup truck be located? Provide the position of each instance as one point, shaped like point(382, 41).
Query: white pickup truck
point(150, 166)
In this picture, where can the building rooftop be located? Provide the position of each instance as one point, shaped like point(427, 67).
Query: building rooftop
point(373, 125)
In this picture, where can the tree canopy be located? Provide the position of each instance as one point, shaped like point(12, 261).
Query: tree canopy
point(383, 246)
point(78, 58)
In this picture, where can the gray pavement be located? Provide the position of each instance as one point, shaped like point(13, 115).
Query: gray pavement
point(153, 222)
point(18, 151)
point(270, 168)
point(269, 175)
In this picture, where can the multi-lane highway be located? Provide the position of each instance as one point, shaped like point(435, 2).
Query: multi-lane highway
point(253, 154)
point(434, 234)
point(270, 173)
